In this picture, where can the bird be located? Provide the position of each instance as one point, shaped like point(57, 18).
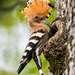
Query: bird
point(36, 12)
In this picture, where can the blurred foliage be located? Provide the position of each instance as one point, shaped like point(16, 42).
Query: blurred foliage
point(13, 38)
point(7, 3)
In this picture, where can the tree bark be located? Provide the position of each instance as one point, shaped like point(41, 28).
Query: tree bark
point(60, 48)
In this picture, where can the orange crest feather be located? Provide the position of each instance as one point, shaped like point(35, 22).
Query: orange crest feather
point(37, 6)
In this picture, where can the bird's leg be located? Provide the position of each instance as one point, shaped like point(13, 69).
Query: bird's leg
point(37, 59)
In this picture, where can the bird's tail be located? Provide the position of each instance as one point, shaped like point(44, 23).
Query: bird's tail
point(23, 64)
point(21, 67)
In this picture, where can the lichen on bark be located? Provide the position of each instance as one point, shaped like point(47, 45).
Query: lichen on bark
point(57, 49)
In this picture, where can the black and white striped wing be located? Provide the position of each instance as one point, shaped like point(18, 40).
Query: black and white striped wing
point(33, 42)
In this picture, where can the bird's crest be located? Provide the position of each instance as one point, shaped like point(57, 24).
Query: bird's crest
point(37, 6)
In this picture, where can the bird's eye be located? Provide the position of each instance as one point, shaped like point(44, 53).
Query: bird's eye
point(36, 17)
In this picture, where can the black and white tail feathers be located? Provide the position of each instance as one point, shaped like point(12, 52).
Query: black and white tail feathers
point(30, 48)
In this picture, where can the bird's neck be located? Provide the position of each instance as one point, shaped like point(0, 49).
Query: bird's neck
point(36, 26)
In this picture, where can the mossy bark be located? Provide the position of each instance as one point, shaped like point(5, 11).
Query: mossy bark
point(55, 49)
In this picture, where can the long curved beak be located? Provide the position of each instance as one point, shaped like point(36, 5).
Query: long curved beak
point(48, 24)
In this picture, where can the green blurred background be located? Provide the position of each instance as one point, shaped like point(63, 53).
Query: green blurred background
point(14, 35)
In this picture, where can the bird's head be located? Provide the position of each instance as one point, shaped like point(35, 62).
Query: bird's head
point(37, 10)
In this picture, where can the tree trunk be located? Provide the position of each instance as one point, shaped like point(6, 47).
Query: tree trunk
point(60, 48)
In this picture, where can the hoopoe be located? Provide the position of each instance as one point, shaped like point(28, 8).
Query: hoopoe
point(37, 11)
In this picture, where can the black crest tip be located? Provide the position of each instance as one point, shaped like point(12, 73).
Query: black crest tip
point(20, 10)
point(49, 13)
point(27, 2)
point(46, 16)
point(51, 5)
